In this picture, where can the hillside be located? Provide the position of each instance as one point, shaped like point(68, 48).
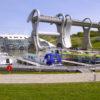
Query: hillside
point(78, 38)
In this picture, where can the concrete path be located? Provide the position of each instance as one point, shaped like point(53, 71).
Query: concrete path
point(49, 78)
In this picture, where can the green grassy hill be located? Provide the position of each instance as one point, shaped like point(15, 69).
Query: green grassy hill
point(77, 39)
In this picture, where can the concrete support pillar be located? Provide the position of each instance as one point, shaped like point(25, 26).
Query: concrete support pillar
point(34, 35)
point(86, 35)
point(60, 29)
point(66, 34)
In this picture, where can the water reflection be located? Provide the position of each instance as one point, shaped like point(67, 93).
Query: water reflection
point(16, 53)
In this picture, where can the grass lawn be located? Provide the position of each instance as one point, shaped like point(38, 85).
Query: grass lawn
point(68, 91)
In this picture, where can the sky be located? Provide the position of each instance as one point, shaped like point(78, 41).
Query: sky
point(14, 13)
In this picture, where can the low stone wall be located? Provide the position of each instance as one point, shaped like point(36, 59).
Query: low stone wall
point(49, 78)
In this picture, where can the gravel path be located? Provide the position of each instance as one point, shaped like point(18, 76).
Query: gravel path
point(49, 78)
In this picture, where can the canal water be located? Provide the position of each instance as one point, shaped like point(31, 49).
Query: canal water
point(16, 53)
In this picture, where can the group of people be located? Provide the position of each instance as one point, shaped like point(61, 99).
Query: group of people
point(53, 58)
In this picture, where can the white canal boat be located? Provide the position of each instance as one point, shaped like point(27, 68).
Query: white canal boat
point(5, 59)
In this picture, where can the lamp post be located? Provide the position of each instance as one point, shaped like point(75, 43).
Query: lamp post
point(94, 74)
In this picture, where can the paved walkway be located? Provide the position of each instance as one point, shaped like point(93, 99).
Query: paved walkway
point(49, 78)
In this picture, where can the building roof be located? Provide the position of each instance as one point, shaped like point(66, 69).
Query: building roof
point(14, 36)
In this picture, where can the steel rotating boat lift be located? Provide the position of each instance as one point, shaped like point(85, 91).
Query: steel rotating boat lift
point(63, 24)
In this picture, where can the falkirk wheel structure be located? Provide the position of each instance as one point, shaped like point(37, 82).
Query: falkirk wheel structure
point(63, 24)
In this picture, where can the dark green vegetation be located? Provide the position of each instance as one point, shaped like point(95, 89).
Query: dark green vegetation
point(77, 39)
point(68, 91)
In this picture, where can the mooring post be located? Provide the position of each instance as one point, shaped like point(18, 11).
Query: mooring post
point(94, 73)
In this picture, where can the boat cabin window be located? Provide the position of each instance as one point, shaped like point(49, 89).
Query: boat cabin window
point(7, 61)
point(31, 57)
